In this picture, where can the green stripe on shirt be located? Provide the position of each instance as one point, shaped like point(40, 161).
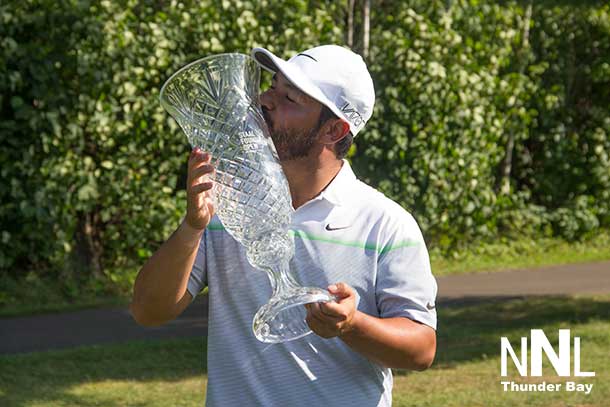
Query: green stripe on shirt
point(215, 226)
point(363, 245)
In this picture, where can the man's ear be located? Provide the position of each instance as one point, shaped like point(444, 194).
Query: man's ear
point(334, 130)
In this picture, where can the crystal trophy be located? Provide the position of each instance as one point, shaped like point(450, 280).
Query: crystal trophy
point(215, 102)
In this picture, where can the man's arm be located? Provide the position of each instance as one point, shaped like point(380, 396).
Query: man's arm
point(392, 342)
point(160, 293)
point(160, 290)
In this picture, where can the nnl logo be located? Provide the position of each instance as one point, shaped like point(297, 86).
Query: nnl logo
point(540, 343)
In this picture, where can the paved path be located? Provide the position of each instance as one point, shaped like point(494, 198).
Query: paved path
point(92, 327)
point(593, 278)
point(100, 326)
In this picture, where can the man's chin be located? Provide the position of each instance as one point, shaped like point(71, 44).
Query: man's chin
point(279, 149)
point(283, 155)
point(283, 151)
point(290, 150)
point(287, 157)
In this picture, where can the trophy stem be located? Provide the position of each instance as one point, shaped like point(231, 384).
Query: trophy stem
point(283, 317)
point(280, 279)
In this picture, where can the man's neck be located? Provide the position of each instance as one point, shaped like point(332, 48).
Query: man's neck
point(308, 176)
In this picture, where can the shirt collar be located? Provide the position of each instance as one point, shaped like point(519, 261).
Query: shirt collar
point(337, 192)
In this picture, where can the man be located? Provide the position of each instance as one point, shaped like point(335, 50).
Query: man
point(365, 248)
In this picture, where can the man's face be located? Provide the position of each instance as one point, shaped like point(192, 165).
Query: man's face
point(292, 118)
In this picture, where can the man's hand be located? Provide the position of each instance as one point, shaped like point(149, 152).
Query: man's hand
point(331, 319)
point(199, 205)
point(396, 342)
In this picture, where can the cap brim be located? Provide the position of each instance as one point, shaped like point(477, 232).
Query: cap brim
point(295, 76)
point(268, 61)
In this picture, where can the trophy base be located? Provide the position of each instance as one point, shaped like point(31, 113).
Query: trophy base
point(282, 319)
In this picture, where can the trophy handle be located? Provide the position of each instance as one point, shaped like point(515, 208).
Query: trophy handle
point(282, 319)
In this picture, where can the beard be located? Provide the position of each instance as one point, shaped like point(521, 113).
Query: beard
point(294, 144)
point(291, 144)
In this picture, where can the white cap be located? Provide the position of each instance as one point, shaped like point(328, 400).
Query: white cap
point(333, 75)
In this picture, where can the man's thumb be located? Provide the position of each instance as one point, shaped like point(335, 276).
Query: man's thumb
point(340, 290)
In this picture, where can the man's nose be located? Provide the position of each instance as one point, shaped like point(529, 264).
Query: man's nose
point(266, 99)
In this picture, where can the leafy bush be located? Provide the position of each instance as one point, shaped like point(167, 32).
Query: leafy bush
point(93, 167)
point(437, 138)
point(491, 120)
point(564, 163)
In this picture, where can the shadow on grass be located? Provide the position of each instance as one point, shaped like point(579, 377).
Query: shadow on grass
point(470, 329)
point(46, 378)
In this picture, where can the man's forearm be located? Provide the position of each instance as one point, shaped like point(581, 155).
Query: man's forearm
point(161, 284)
point(392, 342)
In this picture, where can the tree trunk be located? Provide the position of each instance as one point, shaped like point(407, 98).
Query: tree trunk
point(350, 23)
point(366, 28)
point(507, 164)
point(88, 250)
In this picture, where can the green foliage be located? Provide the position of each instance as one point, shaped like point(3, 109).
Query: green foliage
point(465, 87)
point(489, 121)
point(93, 168)
point(564, 164)
point(441, 114)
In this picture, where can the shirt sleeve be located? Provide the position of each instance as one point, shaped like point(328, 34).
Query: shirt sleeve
point(405, 286)
point(198, 279)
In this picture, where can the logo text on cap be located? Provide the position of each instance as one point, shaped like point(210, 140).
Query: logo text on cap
point(352, 114)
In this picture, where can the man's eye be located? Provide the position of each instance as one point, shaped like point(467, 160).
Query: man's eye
point(288, 97)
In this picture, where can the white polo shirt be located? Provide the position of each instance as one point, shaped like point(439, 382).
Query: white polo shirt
point(349, 233)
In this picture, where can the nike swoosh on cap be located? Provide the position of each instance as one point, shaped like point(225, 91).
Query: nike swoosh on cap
point(331, 228)
point(430, 306)
point(308, 56)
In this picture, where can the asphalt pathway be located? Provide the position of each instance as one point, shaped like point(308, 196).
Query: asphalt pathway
point(114, 325)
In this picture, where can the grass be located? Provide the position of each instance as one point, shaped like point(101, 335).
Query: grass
point(522, 254)
point(32, 294)
point(151, 374)
point(466, 371)
point(61, 305)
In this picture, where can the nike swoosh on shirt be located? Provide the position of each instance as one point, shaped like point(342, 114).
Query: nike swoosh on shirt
point(330, 228)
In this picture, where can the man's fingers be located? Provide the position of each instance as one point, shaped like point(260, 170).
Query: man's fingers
point(199, 172)
point(341, 290)
point(314, 320)
point(204, 186)
point(333, 310)
point(198, 162)
point(194, 152)
point(323, 325)
point(328, 319)
point(317, 321)
point(313, 308)
point(197, 155)
point(197, 158)
point(318, 310)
